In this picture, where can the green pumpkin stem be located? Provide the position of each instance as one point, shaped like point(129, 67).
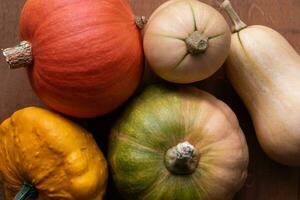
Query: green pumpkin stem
point(27, 191)
point(18, 56)
point(238, 24)
point(182, 159)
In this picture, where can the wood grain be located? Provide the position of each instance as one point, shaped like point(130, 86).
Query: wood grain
point(267, 180)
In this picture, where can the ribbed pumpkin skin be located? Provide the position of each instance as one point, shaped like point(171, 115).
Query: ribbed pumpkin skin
point(58, 157)
point(161, 118)
point(87, 53)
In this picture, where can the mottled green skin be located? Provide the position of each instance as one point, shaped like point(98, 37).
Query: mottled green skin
point(151, 124)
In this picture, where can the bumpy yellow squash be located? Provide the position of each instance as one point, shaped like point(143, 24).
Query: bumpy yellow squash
point(48, 157)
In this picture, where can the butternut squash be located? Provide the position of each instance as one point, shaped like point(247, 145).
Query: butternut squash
point(264, 69)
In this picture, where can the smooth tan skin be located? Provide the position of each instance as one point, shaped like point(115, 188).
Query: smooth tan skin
point(58, 157)
point(166, 31)
point(224, 161)
point(265, 71)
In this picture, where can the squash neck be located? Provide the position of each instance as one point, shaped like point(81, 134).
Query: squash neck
point(196, 43)
point(238, 24)
point(26, 192)
point(19, 56)
point(182, 159)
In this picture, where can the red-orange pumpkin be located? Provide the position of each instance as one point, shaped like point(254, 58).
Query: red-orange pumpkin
point(86, 54)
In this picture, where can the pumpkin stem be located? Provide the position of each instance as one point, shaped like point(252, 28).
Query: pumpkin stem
point(182, 159)
point(196, 43)
point(238, 24)
point(140, 21)
point(27, 191)
point(18, 56)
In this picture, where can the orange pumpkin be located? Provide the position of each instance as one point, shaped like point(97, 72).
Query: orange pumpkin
point(86, 55)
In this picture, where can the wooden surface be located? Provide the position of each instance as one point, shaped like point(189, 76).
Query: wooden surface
point(267, 180)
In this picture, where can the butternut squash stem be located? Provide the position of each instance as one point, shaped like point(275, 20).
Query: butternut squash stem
point(140, 21)
point(182, 159)
point(196, 43)
point(19, 56)
point(26, 192)
point(238, 24)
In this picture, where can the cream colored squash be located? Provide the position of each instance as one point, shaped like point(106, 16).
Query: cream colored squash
point(264, 69)
point(186, 41)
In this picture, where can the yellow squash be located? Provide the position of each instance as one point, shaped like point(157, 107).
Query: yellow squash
point(264, 69)
point(48, 157)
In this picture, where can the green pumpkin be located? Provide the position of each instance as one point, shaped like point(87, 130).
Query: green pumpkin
point(178, 144)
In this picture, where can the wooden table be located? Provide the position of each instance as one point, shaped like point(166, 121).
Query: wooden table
point(267, 180)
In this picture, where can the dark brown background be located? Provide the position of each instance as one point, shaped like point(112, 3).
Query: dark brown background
point(266, 181)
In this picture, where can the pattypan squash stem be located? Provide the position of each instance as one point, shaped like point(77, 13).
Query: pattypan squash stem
point(238, 24)
point(26, 192)
point(18, 56)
